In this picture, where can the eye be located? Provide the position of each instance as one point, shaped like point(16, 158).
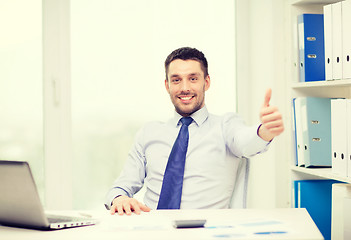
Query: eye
point(175, 80)
point(193, 79)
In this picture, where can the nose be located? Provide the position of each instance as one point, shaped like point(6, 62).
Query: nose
point(185, 86)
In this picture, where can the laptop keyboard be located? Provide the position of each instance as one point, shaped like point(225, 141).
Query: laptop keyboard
point(60, 219)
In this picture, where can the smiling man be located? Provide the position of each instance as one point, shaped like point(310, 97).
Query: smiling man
point(186, 84)
point(207, 146)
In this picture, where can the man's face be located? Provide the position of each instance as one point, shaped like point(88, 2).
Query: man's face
point(186, 86)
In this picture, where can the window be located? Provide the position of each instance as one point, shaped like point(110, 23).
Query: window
point(100, 64)
point(118, 51)
point(21, 97)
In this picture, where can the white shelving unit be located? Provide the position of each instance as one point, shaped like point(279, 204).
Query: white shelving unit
point(332, 89)
point(319, 173)
point(321, 84)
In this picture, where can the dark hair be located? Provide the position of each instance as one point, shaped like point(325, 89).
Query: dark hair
point(187, 53)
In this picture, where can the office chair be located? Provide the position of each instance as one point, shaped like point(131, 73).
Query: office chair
point(239, 197)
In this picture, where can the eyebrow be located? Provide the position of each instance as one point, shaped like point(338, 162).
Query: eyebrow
point(194, 74)
point(191, 74)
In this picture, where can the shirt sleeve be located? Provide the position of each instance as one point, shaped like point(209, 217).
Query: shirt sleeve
point(131, 179)
point(242, 140)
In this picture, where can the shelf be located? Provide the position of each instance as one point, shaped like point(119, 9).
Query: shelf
point(308, 2)
point(321, 172)
point(315, 84)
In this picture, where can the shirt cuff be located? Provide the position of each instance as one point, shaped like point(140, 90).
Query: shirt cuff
point(112, 194)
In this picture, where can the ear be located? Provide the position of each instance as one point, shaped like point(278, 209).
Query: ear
point(207, 82)
point(167, 85)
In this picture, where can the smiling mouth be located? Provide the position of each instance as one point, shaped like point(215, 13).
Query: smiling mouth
point(186, 98)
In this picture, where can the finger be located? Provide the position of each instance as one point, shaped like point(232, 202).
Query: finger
point(274, 127)
point(135, 207)
point(145, 208)
point(113, 209)
point(274, 124)
point(267, 97)
point(276, 130)
point(268, 110)
point(127, 209)
point(265, 118)
point(120, 209)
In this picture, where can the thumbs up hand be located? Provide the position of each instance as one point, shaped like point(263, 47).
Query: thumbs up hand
point(271, 119)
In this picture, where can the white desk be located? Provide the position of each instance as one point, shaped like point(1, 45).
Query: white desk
point(290, 223)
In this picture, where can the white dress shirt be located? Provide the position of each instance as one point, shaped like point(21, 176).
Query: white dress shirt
point(215, 144)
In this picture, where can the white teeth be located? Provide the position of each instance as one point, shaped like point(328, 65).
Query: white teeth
point(185, 98)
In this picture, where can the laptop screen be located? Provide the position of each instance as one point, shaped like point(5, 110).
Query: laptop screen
point(19, 199)
point(20, 204)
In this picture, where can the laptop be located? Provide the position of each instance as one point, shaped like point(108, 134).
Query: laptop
point(20, 204)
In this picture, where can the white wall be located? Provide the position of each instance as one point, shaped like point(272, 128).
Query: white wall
point(260, 65)
point(118, 51)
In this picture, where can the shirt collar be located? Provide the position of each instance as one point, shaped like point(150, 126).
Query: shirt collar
point(199, 117)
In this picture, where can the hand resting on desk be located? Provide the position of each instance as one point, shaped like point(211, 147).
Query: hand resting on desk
point(125, 204)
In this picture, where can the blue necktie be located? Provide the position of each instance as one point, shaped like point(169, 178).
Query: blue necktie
point(172, 185)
